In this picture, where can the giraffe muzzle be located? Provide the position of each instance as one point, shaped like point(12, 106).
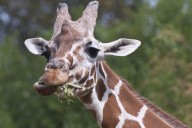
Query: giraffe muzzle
point(54, 77)
point(50, 81)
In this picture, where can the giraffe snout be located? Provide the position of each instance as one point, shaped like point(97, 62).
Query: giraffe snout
point(57, 64)
point(54, 77)
point(56, 73)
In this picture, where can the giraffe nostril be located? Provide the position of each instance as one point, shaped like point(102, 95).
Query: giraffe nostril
point(56, 64)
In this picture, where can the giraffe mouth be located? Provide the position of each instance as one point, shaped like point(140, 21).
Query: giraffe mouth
point(55, 81)
point(69, 90)
point(62, 91)
point(45, 89)
point(50, 81)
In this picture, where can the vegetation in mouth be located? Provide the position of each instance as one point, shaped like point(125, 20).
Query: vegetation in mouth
point(66, 92)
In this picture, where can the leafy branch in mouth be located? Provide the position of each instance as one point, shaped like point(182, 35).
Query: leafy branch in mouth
point(68, 92)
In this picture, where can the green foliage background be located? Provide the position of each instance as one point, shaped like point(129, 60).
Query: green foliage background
point(160, 70)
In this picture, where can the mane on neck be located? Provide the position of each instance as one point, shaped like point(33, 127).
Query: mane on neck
point(170, 120)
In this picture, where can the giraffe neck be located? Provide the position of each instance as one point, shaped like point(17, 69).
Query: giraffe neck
point(115, 105)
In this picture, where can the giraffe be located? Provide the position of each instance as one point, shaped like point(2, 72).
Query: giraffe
point(75, 58)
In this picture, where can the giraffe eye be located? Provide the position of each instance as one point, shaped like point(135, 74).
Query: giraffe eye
point(92, 52)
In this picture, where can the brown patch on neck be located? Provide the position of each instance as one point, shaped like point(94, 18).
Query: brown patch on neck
point(133, 102)
point(160, 114)
point(92, 70)
point(112, 79)
point(111, 112)
point(132, 124)
point(100, 89)
point(130, 103)
point(150, 118)
point(101, 71)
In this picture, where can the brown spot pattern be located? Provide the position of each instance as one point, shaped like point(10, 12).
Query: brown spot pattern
point(92, 70)
point(113, 79)
point(111, 112)
point(89, 83)
point(70, 59)
point(78, 76)
point(71, 78)
point(100, 89)
point(84, 78)
point(95, 76)
point(152, 121)
point(86, 98)
point(76, 51)
point(80, 58)
point(157, 111)
point(129, 101)
point(101, 71)
point(131, 124)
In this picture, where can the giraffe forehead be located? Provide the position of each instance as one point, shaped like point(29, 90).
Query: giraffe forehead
point(70, 44)
point(75, 47)
point(66, 42)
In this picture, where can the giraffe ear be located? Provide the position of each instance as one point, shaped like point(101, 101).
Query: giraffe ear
point(36, 45)
point(121, 47)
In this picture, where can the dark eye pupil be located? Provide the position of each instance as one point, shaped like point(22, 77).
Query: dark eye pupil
point(92, 52)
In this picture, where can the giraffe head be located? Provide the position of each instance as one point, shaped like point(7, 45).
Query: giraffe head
point(73, 51)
